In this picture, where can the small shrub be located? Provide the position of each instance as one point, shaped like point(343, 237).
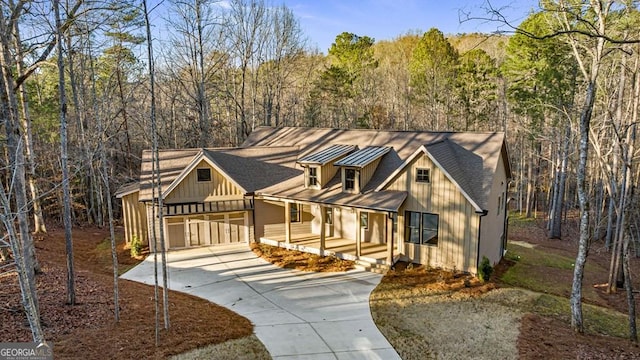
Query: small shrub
point(485, 270)
point(136, 247)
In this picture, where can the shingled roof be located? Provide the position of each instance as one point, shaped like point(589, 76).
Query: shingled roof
point(471, 159)
point(242, 165)
point(267, 163)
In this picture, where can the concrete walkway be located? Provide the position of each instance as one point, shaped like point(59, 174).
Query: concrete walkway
point(297, 315)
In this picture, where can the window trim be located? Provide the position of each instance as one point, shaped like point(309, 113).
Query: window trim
point(364, 216)
point(347, 179)
point(315, 178)
point(328, 216)
point(420, 228)
point(295, 208)
point(198, 172)
point(420, 178)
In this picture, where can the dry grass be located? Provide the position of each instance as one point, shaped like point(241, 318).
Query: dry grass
point(292, 259)
point(247, 348)
point(430, 313)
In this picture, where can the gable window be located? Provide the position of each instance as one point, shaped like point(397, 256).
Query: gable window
point(313, 176)
point(349, 179)
point(423, 175)
point(364, 220)
point(295, 211)
point(204, 175)
point(421, 228)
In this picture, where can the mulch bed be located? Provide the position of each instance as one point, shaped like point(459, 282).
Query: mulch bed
point(88, 329)
point(293, 259)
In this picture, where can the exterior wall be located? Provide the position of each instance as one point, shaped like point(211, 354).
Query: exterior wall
point(327, 172)
point(376, 232)
point(269, 218)
point(366, 173)
point(492, 228)
point(344, 223)
point(134, 216)
point(458, 222)
point(190, 190)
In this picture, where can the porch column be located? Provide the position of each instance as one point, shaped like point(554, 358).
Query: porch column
point(358, 234)
point(323, 220)
point(389, 234)
point(287, 222)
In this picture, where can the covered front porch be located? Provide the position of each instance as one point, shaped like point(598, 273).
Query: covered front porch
point(349, 233)
point(333, 246)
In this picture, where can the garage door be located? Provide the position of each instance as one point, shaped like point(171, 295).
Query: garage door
point(210, 229)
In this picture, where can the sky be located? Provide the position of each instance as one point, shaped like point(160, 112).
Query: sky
point(323, 20)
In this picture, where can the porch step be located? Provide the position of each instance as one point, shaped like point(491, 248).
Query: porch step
point(371, 266)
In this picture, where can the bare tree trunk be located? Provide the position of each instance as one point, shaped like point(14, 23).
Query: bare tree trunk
point(38, 219)
point(583, 245)
point(71, 291)
point(556, 224)
point(157, 177)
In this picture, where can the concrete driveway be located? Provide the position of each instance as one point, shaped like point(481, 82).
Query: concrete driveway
point(297, 315)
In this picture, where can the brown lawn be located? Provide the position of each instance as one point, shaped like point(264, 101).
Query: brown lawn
point(88, 330)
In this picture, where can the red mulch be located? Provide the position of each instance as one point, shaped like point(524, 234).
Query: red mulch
point(88, 330)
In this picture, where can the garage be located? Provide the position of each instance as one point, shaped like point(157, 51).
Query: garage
point(207, 229)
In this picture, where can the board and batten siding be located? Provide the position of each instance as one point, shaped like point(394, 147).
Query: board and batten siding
point(366, 173)
point(192, 190)
point(458, 222)
point(493, 225)
point(134, 216)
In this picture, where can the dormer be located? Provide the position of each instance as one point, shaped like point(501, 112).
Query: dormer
point(358, 167)
point(318, 166)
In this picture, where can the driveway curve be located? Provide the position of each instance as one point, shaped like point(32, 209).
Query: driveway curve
point(297, 315)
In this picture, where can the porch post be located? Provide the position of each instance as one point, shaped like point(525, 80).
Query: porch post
point(323, 220)
point(358, 234)
point(389, 233)
point(287, 222)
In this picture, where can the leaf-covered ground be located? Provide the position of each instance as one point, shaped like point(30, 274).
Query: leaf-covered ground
point(88, 330)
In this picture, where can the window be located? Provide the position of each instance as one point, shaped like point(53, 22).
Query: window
point(421, 228)
point(364, 220)
point(499, 204)
point(204, 175)
point(328, 217)
point(349, 179)
point(423, 175)
point(295, 211)
point(313, 176)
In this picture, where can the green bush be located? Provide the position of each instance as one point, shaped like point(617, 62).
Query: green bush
point(136, 246)
point(485, 270)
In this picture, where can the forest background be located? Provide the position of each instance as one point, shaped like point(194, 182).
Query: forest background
point(563, 86)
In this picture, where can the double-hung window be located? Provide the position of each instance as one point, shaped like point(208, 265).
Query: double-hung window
point(421, 228)
point(349, 179)
point(313, 176)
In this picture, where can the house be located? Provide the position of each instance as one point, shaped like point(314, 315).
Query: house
point(435, 198)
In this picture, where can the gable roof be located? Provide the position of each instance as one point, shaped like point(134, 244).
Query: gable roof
point(239, 165)
point(470, 159)
point(462, 167)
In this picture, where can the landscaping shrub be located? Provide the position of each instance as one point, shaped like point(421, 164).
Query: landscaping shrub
point(485, 270)
point(136, 247)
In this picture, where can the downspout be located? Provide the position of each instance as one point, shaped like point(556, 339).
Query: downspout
point(481, 214)
point(253, 216)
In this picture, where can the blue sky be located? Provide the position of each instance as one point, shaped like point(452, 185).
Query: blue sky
point(322, 20)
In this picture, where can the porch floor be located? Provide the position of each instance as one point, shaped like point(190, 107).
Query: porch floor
point(340, 247)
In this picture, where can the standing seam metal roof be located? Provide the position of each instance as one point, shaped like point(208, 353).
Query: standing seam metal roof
point(362, 157)
point(327, 155)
